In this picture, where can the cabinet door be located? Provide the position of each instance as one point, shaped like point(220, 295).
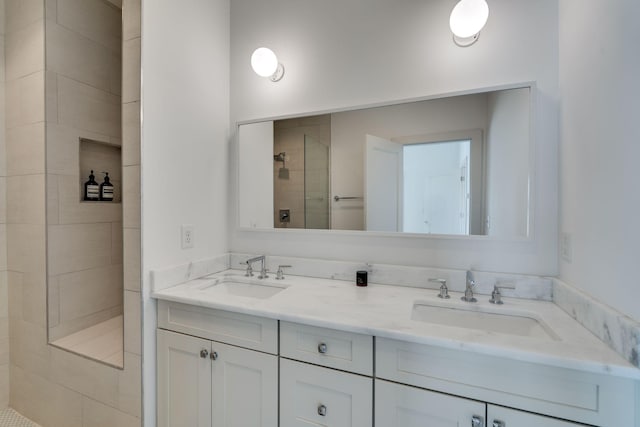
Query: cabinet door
point(184, 381)
point(312, 395)
point(404, 406)
point(245, 387)
point(504, 417)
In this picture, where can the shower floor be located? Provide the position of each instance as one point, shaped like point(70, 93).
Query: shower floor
point(103, 342)
point(10, 418)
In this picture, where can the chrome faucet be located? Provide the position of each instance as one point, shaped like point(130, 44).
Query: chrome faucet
point(263, 268)
point(468, 292)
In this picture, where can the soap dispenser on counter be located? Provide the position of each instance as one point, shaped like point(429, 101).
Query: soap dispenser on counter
point(106, 189)
point(91, 189)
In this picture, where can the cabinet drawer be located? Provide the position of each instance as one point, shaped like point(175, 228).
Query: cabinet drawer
point(563, 393)
point(242, 330)
point(327, 347)
point(312, 395)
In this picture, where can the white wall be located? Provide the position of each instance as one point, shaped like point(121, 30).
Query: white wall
point(341, 54)
point(185, 95)
point(600, 199)
point(256, 177)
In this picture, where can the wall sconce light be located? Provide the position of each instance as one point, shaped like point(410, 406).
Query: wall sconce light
point(467, 18)
point(265, 63)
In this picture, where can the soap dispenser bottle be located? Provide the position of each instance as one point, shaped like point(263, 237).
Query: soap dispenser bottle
point(91, 189)
point(106, 189)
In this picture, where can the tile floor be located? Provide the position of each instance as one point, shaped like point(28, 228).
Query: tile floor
point(10, 418)
point(103, 342)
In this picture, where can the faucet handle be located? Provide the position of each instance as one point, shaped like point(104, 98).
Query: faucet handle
point(249, 272)
point(280, 272)
point(444, 291)
point(496, 295)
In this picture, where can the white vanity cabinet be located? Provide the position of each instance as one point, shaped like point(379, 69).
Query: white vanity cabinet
point(323, 395)
point(498, 416)
point(207, 383)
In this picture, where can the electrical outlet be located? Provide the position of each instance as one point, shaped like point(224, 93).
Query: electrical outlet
point(188, 231)
point(566, 247)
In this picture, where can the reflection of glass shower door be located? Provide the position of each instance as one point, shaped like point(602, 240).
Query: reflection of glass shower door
point(316, 184)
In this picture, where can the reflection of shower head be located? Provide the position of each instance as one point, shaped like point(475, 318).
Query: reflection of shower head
point(283, 172)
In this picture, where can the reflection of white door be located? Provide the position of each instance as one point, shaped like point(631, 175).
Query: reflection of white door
point(383, 181)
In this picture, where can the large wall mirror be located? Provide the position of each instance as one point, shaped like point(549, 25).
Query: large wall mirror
point(456, 165)
point(84, 178)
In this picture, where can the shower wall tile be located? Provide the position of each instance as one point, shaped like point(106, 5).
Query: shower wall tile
point(43, 401)
point(24, 95)
point(31, 352)
point(34, 298)
point(25, 151)
point(131, 196)
point(27, 196)
point(84, 107)
point(3, 247)
point(129, 387)
point(24, 50)
point(116, 246)
point(23, 13)
point(53, 301)
point(131, 133)
point(3, 214)
point(77, 247)
point(85, 376)
point(131, 71)
point(71, 55)
point(96, 414)
point(131, 248)
point(132, 327)
point(51, 10)
point(131, 19)
point(89, 291)
point(51, 97)
point(70, 327)
point(27, 246)
point(105, 31)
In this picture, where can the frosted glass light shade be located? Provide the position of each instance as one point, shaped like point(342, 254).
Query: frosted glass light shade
point(264, 62)
point(468, 17)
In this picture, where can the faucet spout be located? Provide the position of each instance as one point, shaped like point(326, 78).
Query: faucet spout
point(468, 292)
point(263, 269)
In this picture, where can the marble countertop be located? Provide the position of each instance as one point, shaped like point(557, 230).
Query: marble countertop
point(386, 311)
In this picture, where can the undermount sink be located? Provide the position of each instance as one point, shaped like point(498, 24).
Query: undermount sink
point(241, 287)
point(511, 323)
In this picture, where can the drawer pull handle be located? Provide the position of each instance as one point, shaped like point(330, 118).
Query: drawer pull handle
point(322, 348)
point(477, 421)
point(214, 355)
point(322, 410)
point(204, 353)
point(497, 423)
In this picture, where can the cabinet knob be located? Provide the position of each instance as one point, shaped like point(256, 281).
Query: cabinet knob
point(214, 355)
point(477, 421)
point(322, 348)
point(322, 410)
point(204, 353)
point(498, 423)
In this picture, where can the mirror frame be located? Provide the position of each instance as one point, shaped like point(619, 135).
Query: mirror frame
point(530, 221)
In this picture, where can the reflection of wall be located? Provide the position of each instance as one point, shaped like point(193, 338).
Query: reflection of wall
point(4, 296)
point(507, 162)
point(49, 385)
point(348, 141)
point(83, 53)
point(289, 138)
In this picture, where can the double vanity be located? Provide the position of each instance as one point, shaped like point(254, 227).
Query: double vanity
point(292, 351)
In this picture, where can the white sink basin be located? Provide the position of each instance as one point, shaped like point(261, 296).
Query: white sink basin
point(241, 287)
point(510, 323)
